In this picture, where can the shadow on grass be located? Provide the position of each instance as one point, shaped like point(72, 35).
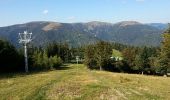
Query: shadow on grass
point(6, 75)
point(63, 67)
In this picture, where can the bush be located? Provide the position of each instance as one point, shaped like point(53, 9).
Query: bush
point(55, 62)
point(42, 62)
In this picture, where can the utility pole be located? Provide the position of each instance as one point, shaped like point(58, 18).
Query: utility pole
point(77, 59)
point(78, 50)
point(25, 38)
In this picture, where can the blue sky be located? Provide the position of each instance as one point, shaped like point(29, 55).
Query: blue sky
point(145, 11)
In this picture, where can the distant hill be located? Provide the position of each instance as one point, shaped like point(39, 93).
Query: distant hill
point(76, 34)
point(159, 25)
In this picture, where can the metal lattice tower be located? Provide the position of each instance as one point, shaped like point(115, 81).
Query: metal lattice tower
point(25, 38)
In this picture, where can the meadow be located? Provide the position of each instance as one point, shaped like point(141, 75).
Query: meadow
point(76, 82)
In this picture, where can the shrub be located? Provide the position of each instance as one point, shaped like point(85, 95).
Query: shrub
point(42, 62)
point(55, 62)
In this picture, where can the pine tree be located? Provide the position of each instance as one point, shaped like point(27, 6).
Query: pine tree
point(164, 58)
point(129, 55)
point(102, 54)
point(10, 59)
point(89, 57)
point(142, 60)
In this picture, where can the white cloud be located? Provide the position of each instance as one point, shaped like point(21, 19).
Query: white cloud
point(45, 12)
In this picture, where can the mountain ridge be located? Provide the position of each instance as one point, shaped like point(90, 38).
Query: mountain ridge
point(126, 32)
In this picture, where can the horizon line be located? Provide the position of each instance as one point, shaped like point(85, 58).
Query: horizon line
point(83, 22)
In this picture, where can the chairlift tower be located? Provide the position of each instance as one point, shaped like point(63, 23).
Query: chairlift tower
point(25, 38)
point(77, 59)
point(79, 45)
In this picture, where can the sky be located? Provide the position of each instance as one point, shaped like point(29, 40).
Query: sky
point(72, 11)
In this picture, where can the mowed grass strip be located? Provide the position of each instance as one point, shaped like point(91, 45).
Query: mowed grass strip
point(76, 82)
point(22, 86)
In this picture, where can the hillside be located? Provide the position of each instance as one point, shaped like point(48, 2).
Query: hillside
point(159, 25)
point(77, 82)
point(46, 32)
point(76, 34)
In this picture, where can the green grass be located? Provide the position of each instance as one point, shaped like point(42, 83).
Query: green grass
point(78, 83)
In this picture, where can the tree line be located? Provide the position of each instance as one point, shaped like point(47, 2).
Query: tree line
point(51, 56)
point(141, 60)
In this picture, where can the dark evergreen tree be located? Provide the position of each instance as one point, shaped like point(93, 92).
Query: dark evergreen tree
point(164, 58)
point(129, 55)
point(10, 59)
point(60, 49)
point(102, 54)
point(142, 60)
point(89, 57)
